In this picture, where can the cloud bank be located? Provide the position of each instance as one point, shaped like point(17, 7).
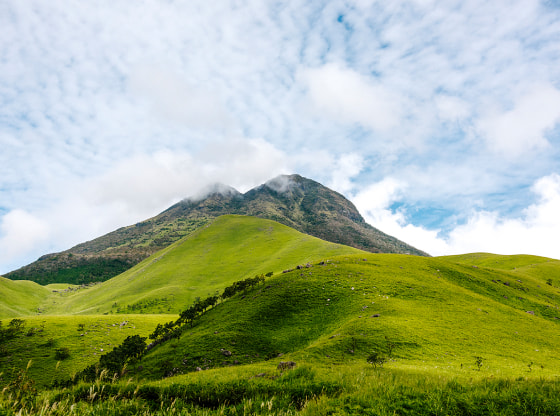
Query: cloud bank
point(534, 232)
point(447, 111)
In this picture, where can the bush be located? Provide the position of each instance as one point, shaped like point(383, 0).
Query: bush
point(376, 359)
point(61, 353)
point(15, 327)
point(478, 362)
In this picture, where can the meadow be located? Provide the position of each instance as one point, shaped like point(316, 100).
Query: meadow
point(377, 334)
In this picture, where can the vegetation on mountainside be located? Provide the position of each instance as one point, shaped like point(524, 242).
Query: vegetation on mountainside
point(107, 256)
point(83, 339)
point(300, 203)
point(229, 249)
point(306, 390)
point(332, 331)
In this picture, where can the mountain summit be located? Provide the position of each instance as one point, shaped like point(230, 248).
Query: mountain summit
point(302, 204)
point(293, 200)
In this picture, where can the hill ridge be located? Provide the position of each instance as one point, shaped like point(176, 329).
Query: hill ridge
point(292, 200)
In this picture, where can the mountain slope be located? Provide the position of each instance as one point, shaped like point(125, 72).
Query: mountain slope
point(20, 297)
point(300, 203)
point(230, 248)
point(429, 313)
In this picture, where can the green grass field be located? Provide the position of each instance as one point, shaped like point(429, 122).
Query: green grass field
point(86, 338)
point(439, 315)
point(231, 248)
point(470, 334)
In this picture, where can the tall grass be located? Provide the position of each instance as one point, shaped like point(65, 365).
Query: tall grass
point(351, 390)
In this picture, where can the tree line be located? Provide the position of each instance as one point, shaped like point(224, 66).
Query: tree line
point(188, 316)
point(133, 347)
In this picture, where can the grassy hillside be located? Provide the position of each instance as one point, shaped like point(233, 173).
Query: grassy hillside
point(297, 202)
point(109, 255)
point(540, 269)
point(85, 337)
point(21, 297)
point(231, 248)
point(428, 313)
point(469, 334)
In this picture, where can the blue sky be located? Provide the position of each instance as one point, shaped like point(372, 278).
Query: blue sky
point(439, 120)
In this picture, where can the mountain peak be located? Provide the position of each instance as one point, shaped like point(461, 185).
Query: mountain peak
point(292, 200)
point(213, 190)
point(282, 183)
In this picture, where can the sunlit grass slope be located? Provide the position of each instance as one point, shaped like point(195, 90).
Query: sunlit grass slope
point(231, 248)
point(434, 314)
point(538, 269)
point(85, 337)
point(20, 297)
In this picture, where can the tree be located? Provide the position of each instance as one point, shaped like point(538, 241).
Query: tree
point(131, 348)
point(478, 362)
point(189, 315)
point(376, 359)
point(61, 353)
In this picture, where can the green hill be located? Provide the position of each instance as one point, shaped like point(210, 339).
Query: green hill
point(84, 337)
point(436, 313)
point(469, 334)
point(228, 249)
point(300, 203)
point(21, 297)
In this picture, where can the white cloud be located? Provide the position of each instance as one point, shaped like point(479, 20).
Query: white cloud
point(374, 203)
point(343, 170)
point(523, 128)
point(450, 108)
point(535, 232)
point(132, 190)
point(20, 233)
point(143, 185)
point(343, 94)
point(172, 97)
point(109, 103)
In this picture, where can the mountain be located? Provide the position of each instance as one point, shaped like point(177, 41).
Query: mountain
point(229, 249)
point(431, 315)
point(293, 200)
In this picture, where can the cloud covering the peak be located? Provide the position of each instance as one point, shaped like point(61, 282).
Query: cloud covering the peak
point(441, 120)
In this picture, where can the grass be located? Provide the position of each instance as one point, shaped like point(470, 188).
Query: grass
point(86, 337)
point(21, 297)
point(471, 334)
point(231, 248)
point(338, 312)
point(350, 389)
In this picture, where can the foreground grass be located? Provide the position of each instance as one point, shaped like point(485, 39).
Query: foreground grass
point(355, 389)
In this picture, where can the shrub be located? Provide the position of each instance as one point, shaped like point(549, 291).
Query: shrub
point(61, 353)
point(49, 343)
point(376, 359)
point(478, 362)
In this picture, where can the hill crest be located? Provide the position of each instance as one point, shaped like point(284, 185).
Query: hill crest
point(292, 200)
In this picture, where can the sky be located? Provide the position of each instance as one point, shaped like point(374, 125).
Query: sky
point(440, 120)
